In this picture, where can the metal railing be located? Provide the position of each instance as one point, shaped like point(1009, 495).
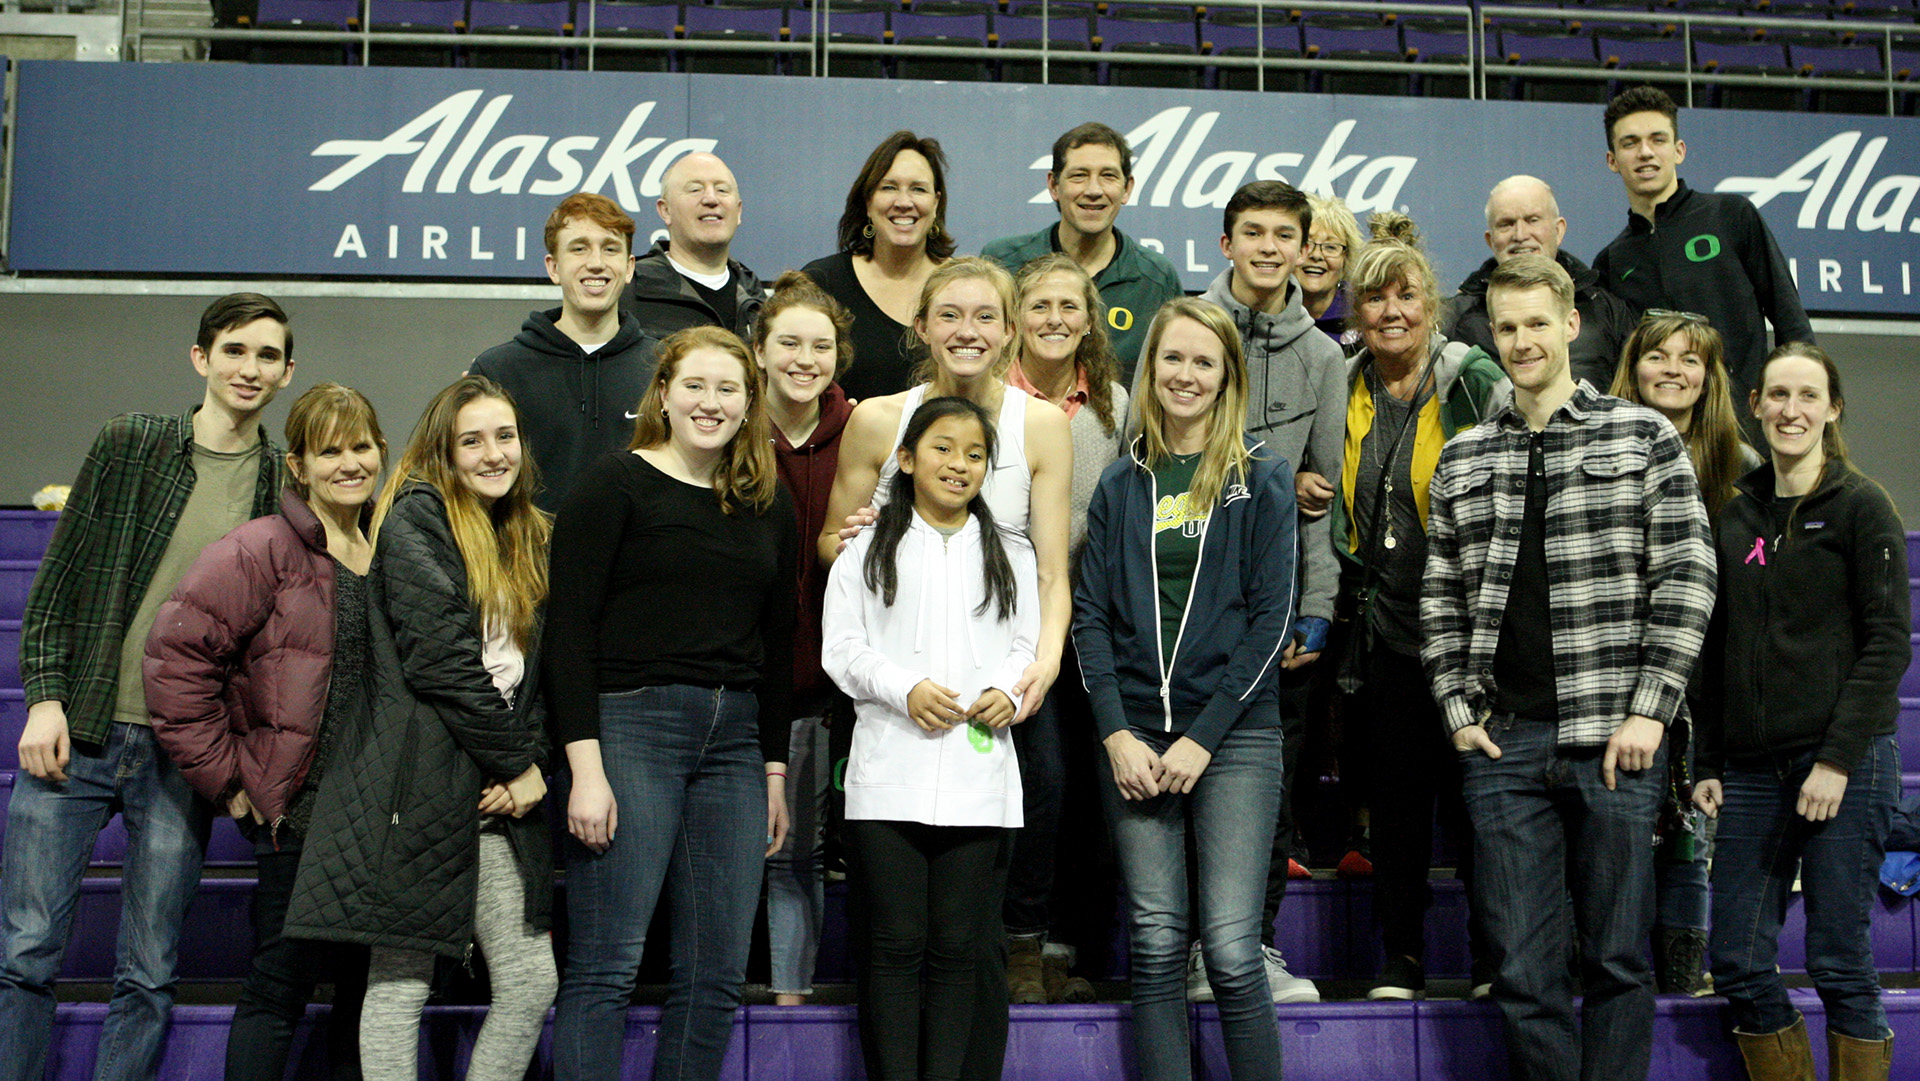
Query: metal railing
point(817, 49)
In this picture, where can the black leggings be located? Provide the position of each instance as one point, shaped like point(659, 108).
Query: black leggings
point(921, 917)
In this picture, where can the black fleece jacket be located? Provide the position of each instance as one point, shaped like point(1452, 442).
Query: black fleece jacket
point(574, 405)
point(1813, 623)
point(664, 301)
point(1710, 253)
point(1605, 320)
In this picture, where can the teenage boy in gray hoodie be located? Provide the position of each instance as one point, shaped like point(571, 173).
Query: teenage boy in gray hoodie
point(1296, 403)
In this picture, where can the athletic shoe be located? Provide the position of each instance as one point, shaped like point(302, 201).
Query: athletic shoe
point(1198, 989)
point(1297, 870)
point(1286, 987)
point(1480, 985)
point(1401, 980)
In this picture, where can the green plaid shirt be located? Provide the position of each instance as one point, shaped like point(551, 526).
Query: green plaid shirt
point(118, 520)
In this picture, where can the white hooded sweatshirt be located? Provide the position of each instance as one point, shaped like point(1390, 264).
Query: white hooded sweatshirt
point(966, 775)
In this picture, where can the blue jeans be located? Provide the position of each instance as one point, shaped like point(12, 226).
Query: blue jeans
point(1232, 810)
point(1543, 821)
point(1760, 844)
point(796, 885)
point(50, 835)
point(684, 763)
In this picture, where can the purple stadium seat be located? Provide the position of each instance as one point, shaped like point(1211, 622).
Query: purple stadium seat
point(295, 15)
point(734, 20)
point(1149, 30)
point(1631, 53)
point(1743, 54)
point(620, 20)
point(1538, 49)
point(1824, 58)
point(24, 533)
point(546, 19)
point(414, 17)
point(1066, 27)
point(1350, 37)
point(958, 24)
point(1883, 11)
point(846, 22)
point(1243, 32)
point(1442, 54)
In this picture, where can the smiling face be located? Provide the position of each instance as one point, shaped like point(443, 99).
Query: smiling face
point(800, 354)
point(1393, 320)
point(1323, 262)
point(1522, 219)
point(340, 471)
point(1189, 368)
point(245, 366)
point(902, 207)
point(1647, 154)
point(964, 328)
point(591, 265)
point(706, 401)
point(1053, 319)
point(1533, 334)
point(1794, 405)
point(700, 203)
point(1264, 246)
point(948, 465)
point(486, 448)
point(1091, 189)
point(1670, 376)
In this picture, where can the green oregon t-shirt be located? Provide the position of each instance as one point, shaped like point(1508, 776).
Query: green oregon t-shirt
point(1177, 527)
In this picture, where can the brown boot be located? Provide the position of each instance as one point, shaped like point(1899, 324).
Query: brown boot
point(1025, 984)
point(1785, 1055)
point(1849, 1059)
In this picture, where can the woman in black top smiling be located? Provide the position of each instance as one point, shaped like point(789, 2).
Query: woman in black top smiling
point(671, 623)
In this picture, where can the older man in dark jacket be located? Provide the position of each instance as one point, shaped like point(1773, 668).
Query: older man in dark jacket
point(1523, 218)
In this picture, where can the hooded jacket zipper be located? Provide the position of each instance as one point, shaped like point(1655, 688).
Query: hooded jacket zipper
point(1153, 549)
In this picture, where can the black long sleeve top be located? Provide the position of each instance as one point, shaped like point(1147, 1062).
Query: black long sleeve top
point(653, 584)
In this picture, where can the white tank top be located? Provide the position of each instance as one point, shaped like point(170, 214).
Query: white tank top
point(1009, 483)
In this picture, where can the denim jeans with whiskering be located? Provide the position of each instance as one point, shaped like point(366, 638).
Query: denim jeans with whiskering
point(51, 827)
point(1544, 821)
point(796, 881)
point(684, 763)
point(1762, 842)
point(1231, 810)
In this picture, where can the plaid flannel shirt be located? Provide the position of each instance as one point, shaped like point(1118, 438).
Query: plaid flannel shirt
point(118, 520)
point(1630, 564)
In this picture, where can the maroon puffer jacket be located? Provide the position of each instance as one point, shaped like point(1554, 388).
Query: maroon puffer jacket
point(239, 658)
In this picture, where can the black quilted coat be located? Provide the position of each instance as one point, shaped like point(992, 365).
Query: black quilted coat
point(392, 856)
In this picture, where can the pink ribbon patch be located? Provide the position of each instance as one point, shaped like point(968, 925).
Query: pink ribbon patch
point(1759, 551)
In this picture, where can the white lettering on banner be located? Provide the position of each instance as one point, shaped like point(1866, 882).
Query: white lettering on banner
point(1883, 209)
point(503, 166)
point(474, 251)
point(1166, 139)
point(433, 242)
point(350, 242)
point(1193, 264)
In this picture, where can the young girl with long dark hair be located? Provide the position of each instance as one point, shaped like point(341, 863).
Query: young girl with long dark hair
point(931, 619)
point(427, 838)
point(1799, 763)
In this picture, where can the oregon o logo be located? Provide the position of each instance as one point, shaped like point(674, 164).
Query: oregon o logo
point(1119, 318)
point(1703, 247)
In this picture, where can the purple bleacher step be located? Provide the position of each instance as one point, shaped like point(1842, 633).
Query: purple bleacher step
point(215, 944)
point(225, 846)
point(24, 533)
point(1909, 732)
point(9, 653)
point(16, 577)
point(1892, 934)
point(1910, 682)
point(197, 1044)
point(1913, 553)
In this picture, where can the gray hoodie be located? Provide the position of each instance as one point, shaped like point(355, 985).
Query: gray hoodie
point(1297, 405)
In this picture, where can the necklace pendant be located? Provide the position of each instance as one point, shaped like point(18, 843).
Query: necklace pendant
point(1392, 541)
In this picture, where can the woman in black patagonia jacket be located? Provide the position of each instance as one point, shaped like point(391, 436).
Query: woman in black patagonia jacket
point(1797, 758)
point(432, 838)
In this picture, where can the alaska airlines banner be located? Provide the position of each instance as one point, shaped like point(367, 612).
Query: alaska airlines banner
point(234, 170)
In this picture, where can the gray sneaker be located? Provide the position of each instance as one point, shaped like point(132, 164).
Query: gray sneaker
point(1286, 987)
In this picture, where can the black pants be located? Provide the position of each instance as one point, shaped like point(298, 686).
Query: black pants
point(1296, 687)
point(925, 906)
point(1414, 778)
point(285, 970)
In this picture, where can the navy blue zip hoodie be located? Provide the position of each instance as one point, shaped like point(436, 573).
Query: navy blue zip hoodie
point(1237, 615)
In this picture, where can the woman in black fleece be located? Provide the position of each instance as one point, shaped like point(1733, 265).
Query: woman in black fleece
point(671, 665)
point(1798, 761)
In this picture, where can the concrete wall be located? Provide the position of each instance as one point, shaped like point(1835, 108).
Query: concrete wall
point(71, 361)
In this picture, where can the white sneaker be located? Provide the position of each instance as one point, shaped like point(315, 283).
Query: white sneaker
point(1198, 989)
point(1286, 987)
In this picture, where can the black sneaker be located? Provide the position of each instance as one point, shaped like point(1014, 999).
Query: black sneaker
point(1401, 980)
point(1480, 982)
point(1678, 961)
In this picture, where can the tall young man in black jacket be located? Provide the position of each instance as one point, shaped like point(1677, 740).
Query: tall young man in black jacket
point(578, 371)
point(1696, 251)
